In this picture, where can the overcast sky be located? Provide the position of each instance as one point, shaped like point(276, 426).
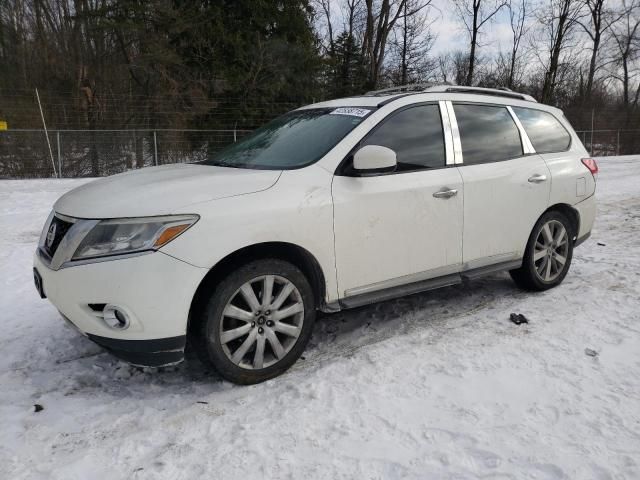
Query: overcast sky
point(451, 34)
point(496, 35)
point(449, 31)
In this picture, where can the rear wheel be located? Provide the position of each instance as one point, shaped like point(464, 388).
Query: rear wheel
point(548, 254)
point(258, 321)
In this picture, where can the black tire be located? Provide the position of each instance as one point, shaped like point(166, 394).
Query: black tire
point(207, 341)
point(527, 276)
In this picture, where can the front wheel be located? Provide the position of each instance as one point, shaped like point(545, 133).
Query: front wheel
point(548, 254)
point(258, 321)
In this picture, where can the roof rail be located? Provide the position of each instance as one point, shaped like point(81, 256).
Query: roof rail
point(498, 92)
point(449, 88)
point(409, 88)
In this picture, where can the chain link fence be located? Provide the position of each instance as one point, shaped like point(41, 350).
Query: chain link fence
point(95, 153)
point(602, 143)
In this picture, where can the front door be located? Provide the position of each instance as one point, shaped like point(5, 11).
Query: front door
point(401, 227)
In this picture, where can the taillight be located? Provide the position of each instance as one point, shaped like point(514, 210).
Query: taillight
point(591, 164)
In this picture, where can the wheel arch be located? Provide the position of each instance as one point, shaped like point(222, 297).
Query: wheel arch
point(571, 213)
point(298, 256)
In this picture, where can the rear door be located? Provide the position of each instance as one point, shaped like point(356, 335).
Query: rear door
point(506, 185)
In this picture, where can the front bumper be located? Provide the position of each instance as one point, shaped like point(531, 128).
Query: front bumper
point(154, 289)
point(145, 353)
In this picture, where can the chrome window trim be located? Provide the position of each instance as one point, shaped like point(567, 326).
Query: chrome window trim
point(455, 132)
point(527, 146)
point(448, 135)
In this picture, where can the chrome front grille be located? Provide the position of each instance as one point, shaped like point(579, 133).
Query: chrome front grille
point(56, 231)
point(60, 238)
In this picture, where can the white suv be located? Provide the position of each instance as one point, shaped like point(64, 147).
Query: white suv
point(331, 206)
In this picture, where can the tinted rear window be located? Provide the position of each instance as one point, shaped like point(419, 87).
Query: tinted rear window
point(545, 132)
point(487, 133)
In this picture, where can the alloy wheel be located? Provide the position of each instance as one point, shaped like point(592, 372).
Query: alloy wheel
point(551, 250)
point(261, 322)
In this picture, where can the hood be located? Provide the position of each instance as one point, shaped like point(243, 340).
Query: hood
point(161, 190)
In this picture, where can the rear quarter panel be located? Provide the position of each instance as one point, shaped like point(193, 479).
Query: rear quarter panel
point(571, 182)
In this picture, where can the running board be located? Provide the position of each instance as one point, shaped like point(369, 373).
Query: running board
point(489, 269)
point(425, 285)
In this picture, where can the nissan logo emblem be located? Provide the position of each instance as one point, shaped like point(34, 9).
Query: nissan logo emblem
point(51, 235)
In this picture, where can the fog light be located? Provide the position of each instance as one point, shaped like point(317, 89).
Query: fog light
point(115, 317)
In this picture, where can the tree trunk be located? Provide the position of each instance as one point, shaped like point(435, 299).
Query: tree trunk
point(474, 41)
point(592, 64)
point(512, 69)
point(403, 75)
point(550, 76)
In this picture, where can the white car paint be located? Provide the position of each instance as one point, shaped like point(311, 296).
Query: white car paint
point(389, 227)
point(155, 290)
point(163, 190)
point(365, 233)
point(497, 191)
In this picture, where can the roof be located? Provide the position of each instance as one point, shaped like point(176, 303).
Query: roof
point(381, 97)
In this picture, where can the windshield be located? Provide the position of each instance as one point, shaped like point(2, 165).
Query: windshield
point(294, 140)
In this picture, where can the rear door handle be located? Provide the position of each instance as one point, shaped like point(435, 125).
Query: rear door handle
point(448, 193)
point(538, 178)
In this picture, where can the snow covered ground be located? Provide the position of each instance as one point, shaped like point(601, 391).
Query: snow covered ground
point(437, 385)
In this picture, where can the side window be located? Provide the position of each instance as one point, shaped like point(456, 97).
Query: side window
point(545, 132)
point(415, 134)
point(487, 133)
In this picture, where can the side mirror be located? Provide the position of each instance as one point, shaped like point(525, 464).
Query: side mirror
point(374, 158)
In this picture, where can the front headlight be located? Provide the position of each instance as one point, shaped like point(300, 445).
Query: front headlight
point(130, 235)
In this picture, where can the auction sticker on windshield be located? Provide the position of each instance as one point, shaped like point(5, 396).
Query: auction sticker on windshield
point(352, 111)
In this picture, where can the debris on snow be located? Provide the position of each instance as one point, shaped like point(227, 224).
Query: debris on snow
point(590, 352)
point(38, 408)
point(518, 318)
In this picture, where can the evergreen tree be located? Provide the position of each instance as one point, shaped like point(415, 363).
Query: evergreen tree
point(347, 72)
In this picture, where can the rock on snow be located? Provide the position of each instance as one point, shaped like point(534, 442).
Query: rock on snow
point(437, 385)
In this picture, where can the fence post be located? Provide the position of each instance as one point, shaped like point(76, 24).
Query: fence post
point(592, 127)
point(155, 148)
point(235, 139)
point(59, 154)
point(618, 143)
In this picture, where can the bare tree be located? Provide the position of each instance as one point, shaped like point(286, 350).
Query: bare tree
point(475, 14)
point(325, 6)
point(380, 20)
point(559, 21)
point(410, 46)
point(600, 21)
point(519, 14)
point(626, 56)
point(353, 15)
point(453, 67)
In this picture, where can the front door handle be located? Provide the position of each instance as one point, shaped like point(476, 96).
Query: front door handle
point(448, 193)
point(538, 178)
